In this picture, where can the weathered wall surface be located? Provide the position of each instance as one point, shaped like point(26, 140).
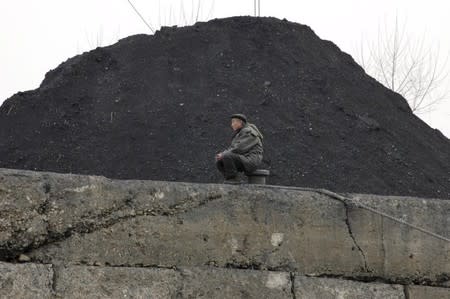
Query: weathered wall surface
point(25, 281)
point(115, 236)
point(46, 281)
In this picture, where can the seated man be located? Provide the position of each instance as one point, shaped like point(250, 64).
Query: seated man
point(245, 152)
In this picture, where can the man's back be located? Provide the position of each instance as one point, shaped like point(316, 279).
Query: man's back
point(248, 141)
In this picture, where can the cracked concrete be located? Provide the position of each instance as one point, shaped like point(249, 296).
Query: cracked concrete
point(292, 277)
point(415, 291)
point(25, 281)
point(71, 208)
point(113, 282)
point(393, 249)
point(224, 232)
point(349, 226)
point(406, 292)
point(80, 221)
point(77, 281)
point(329, 288)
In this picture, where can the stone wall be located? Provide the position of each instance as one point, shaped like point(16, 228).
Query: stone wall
point(80, 235)
point(48, 281)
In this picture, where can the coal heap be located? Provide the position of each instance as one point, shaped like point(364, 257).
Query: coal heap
point(157, 107)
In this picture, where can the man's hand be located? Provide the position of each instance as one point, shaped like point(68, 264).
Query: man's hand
point(219, 156)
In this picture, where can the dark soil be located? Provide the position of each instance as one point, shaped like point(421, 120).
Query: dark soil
point(157, 107)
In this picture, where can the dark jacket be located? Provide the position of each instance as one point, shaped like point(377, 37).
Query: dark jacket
point(248, 143)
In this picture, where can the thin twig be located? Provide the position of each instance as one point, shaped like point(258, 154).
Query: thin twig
point(199, 3)
point(142, 18)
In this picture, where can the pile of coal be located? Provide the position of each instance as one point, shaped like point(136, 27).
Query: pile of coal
point(157, 107)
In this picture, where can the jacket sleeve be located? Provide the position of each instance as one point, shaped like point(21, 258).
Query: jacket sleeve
point(244, 143)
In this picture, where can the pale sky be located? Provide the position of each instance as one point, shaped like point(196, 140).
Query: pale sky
point(37, 35)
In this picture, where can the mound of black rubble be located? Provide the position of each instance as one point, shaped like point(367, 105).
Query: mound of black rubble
point(157, 107)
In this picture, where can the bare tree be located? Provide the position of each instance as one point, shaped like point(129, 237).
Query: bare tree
point(94, 40)
point(407, 66)
point(167, 13)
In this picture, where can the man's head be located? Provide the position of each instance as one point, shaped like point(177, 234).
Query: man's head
point(238, 121)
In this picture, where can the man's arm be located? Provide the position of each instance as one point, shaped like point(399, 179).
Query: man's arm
point(245, 142)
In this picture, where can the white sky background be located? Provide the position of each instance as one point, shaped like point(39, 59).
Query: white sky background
point(37, 35)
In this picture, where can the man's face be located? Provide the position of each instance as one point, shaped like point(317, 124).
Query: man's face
point(236, 123)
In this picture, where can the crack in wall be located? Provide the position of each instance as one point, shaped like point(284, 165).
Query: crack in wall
point(151, 266)
point(347, 206)
point(54, 279)
point(383, 246)
point(106, 219)
point(180, 284)
point(191, 202)
point(259, 267)
point(349, 227)
point(401, 281)
point(235, 267)
point(406, 292)
point(292, 277)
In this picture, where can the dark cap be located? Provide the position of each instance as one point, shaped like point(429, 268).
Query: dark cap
point(240, 116)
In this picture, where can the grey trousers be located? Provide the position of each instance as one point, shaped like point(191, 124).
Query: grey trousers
point(230, 165)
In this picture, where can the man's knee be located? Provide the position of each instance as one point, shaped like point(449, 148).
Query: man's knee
point(230, 156)
point(235, 159)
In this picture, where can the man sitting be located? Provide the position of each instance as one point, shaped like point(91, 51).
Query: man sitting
point(245, 152)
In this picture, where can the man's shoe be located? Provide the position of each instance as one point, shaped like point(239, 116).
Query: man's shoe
point(232, 181)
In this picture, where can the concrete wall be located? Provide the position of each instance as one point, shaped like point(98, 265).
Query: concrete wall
point(46, 281)
point(86, 224)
